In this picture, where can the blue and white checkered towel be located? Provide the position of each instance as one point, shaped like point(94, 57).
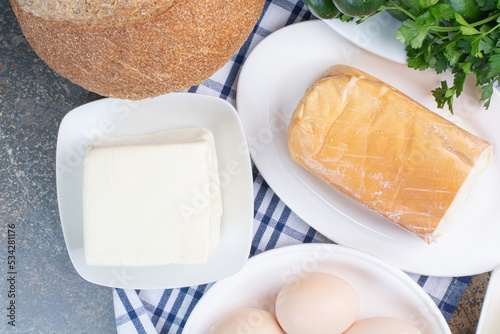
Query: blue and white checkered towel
point(275, 225)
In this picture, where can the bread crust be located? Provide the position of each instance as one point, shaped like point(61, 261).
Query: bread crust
point(97, 13)
point(179, 48)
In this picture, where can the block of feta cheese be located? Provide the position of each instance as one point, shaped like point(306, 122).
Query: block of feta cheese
point(151, 200)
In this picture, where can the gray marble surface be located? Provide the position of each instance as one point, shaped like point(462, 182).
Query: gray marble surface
point(50, 297)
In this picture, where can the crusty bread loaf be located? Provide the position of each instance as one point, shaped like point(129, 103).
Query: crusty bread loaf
point(385, 150)
point(136, 49)
point(96, 13)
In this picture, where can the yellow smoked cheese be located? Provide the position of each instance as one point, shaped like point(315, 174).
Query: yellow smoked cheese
point(385, 150)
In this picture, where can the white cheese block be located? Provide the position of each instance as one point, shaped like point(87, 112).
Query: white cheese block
point(151, 200)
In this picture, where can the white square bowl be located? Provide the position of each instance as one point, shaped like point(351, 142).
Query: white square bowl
point(116, 118)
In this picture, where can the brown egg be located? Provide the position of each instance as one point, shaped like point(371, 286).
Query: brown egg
point(382, 325)
point(247, 321)
point(317, 303)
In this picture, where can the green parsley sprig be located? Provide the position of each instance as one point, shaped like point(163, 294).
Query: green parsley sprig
point(440, 38)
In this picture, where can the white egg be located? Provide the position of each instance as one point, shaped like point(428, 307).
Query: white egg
point(247, 321)
point(317, 303)
point(382, 325)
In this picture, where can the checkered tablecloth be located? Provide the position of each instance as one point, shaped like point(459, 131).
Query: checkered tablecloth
point(275, 225)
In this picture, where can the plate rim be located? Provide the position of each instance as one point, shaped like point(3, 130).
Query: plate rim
point(395, 51)
point(440, 270)
point(243, 159)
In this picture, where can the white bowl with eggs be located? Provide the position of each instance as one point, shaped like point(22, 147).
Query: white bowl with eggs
point(383, 290)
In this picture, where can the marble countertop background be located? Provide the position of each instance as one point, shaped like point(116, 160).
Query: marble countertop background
point(50, 296)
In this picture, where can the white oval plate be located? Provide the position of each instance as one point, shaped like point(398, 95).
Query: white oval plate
point(377, 35)
point(383, 289)
point(115, 118)
point(273, 80)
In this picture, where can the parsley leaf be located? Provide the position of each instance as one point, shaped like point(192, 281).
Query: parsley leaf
point(442, 11)
point(475, 46)
point(412, 33)
point(486, 5)
point(459, 18)
point(436, 36)
point(426, 18)
point(443, 95)
point(469, 30)
point(345, 18)
point(486, 45)
point(452, 53)
point(486, 94)
point(495, 59)
point(459, 81)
